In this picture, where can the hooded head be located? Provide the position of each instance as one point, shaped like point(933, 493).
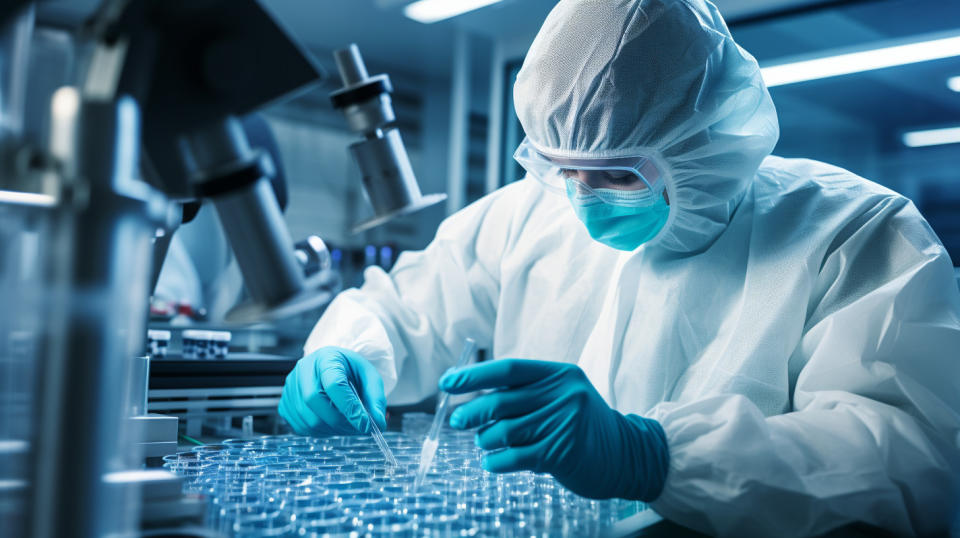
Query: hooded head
point(656, 78)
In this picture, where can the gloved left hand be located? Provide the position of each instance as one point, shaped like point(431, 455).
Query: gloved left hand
point(548, 417)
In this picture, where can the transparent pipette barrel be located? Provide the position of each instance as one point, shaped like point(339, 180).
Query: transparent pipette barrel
point(377, 434)
point(433, 435)
point(469, 345)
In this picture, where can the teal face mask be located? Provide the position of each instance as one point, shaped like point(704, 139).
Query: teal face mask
point(623, 227)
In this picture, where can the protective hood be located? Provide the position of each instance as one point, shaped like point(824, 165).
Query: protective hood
point(659, 78)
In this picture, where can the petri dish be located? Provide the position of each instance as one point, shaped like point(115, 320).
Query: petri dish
point(443, 528)
point(333, 529)
point(236, 442)
point(393, 525)
point(339, 486)
point(347, 490)
point(267, 524)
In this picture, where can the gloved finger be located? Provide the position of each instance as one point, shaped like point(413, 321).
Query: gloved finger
point(295, 425)
point(494, 406)
point(371, 391)
point(317, 410)
point(337, 384)
point(281, 406)
point(524, 458)
point(311, 422)
point(520, 431)
point(285, 401)
point(287, 408)
point(497, 374)
point(320, 409)
point(285, 414)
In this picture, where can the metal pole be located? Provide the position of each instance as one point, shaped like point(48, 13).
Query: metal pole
point(495, 119)
point(83, 439)
point(459, 124)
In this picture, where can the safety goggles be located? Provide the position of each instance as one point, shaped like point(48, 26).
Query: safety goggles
point(620, 181)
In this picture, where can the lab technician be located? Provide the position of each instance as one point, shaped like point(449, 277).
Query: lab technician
point(757, 345)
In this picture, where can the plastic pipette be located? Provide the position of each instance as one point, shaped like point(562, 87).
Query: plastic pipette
point(432, 441)
point(377, 434)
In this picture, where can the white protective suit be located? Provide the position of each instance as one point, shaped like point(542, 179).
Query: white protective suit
point(795, 328)
point(200, 268)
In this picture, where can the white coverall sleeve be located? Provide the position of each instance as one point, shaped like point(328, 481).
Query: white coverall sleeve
point(873, 433)
point(411, 323)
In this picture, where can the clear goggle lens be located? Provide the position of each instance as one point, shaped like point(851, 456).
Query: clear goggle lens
point(615, 181)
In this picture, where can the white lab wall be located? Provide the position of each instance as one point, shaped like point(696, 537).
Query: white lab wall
point(321, 178)
point(430, 159)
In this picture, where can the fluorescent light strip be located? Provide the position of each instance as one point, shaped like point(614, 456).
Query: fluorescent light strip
point(27, 198)
point(932, 137)
point(857, 62)
point(429, 11)
point(954, 84)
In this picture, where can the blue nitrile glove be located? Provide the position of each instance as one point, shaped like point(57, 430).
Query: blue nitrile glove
point(547, 417)
point(319, 398)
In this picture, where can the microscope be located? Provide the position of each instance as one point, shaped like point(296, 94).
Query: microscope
point(162, 86)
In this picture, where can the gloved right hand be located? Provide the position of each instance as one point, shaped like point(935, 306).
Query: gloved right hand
point(319, 398)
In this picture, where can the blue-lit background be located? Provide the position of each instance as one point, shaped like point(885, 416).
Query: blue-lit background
point(453, 83)
point(857, 121)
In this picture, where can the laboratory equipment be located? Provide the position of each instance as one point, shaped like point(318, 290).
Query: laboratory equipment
point(386, 257)
point(141, 71)
point(330, 485)
point(211, 397)
point(138, 379)
point(201, 344)
point(158, 343)
point(336, 258)
point(195, 344)
point(157, 82)
point(219, 343)
point(431, 441)
point(376, 434)
point(388, 178)
point(312, 255)
point(369, 255)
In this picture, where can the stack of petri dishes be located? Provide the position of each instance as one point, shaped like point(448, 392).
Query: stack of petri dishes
point(286, 486)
